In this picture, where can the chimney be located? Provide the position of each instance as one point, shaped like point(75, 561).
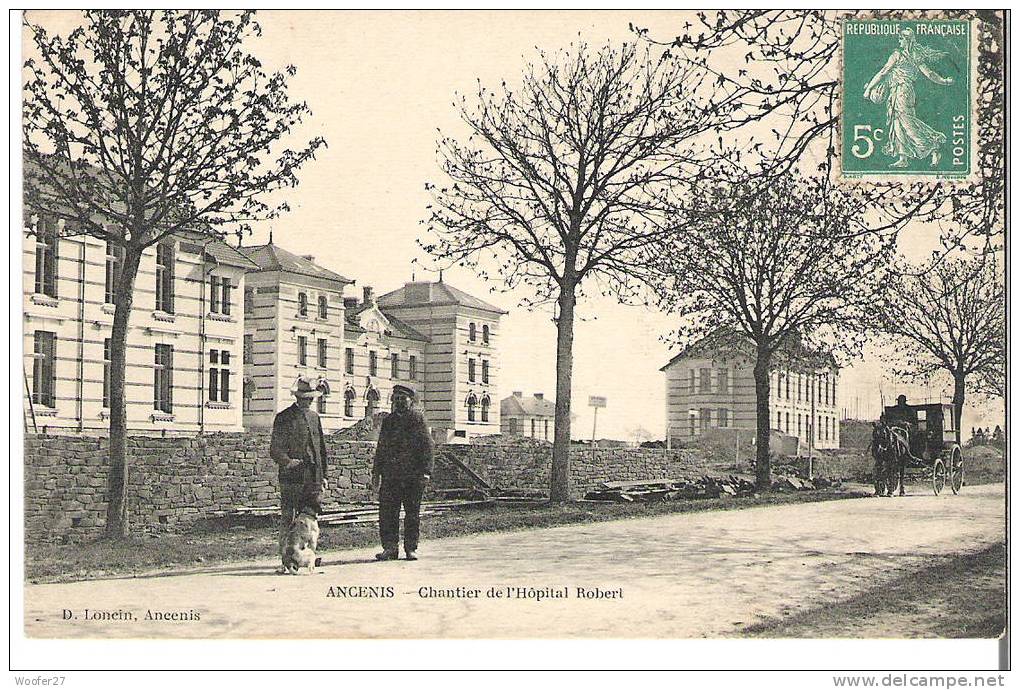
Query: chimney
point(538, 396)
point(350, 302)
point(369, 297)
point(308, 257)
point(518, 394)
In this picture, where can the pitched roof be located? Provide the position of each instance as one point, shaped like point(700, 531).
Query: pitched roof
point(401, 328)
point(272, 257)
point(434, 294)
point(220, 251)
point(527, 405)
point(795, 352)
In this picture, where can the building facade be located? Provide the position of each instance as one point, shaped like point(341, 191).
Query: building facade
point(461, 363)
point(294, 326)
point(711, 385)
point(532, 416)
point(184, 335)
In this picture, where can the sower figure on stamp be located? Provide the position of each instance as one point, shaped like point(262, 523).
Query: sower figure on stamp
point(299, 449)
point(402, 468)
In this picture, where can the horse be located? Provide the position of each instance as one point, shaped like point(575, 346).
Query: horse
point(890, 446)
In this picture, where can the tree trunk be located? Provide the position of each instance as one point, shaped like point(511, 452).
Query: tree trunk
point(959, 394)
point(559, 481)
point(117, 483)
point(763, 470)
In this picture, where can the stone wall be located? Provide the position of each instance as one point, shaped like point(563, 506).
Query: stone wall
point(175, 481)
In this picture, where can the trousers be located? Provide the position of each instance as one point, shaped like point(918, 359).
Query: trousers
point(395, 492)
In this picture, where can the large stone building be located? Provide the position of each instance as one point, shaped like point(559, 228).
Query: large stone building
point(531, 416)
point(711, 385)
point(184, 336)
point(218, 335)
point(461, 367)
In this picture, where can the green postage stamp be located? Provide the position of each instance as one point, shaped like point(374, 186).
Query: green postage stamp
point(906, 102)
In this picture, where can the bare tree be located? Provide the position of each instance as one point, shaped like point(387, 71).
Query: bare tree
point(787, 267)
point(953, 319)
point(562, 180)
point(139, 124)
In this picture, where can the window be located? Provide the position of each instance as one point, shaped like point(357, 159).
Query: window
point(485, 408)
point(107, 369)
point(787, 423)
point(779, 421)
point(46, 257)
point(705, 381)
point(214, 294)
point(323, 307)
point(787, 385)
point(779, 384)
point(320, 404)
point(706, 418)
point(723, 380)
point(302, 350)
point(532, 428)
point(247, 395)
point(513, 426)
point(349, 402)
point(472, 403)
point(394, 365)
point(248, 354)
point(114, 260)
point(692, 417)
point(471, 331)
point(371, 402)
point(724, 417)
point(471, 369)
point(249, 301)
point(545, 435)
point(349, 361)
point(219, 376)
point(322, 353)
point(799, 426)
point(800, 387)
point(302, 304)
point(693, 380)
point(165, 277)
point(163, 379)
point(44, 374)
point(227, 288)
point(485, 334)
point(485, 371)
point(412, 367)
point(372, 364)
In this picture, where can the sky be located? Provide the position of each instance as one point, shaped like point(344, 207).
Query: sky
point(379, 84)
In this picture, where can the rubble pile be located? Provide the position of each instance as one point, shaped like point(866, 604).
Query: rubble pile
point(671, 489)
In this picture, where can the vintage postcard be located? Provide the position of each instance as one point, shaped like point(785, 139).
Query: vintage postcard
point(375, 325)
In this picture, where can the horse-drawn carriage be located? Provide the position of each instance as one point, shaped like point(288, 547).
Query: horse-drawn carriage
point(921, 439)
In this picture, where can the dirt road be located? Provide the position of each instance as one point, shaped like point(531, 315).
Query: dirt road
point(696, 575)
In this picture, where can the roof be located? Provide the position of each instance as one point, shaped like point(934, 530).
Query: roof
point(403, 330)
point(272, 257)
point(527, 405)
point(726, 339)
point(435, 295)
point(218, 250)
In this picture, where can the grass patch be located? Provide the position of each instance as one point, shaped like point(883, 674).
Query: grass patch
point(958, 596)
point(226, 540)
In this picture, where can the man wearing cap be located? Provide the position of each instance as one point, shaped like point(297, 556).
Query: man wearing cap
point(402, 468)
point(299, 449)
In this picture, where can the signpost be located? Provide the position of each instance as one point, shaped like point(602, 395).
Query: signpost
point(595, 401)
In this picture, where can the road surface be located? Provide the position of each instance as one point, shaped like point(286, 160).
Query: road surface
point(705, 574)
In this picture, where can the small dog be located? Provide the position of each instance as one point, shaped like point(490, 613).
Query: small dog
point(302, 540)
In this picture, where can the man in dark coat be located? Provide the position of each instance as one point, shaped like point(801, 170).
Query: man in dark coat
point(402, 468)
point(299, 449)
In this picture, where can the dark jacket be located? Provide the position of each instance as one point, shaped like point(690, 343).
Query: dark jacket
point(297, 434)
point(405, 446)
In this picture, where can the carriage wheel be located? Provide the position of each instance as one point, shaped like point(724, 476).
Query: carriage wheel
point(956, 481)
point(938, 476)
